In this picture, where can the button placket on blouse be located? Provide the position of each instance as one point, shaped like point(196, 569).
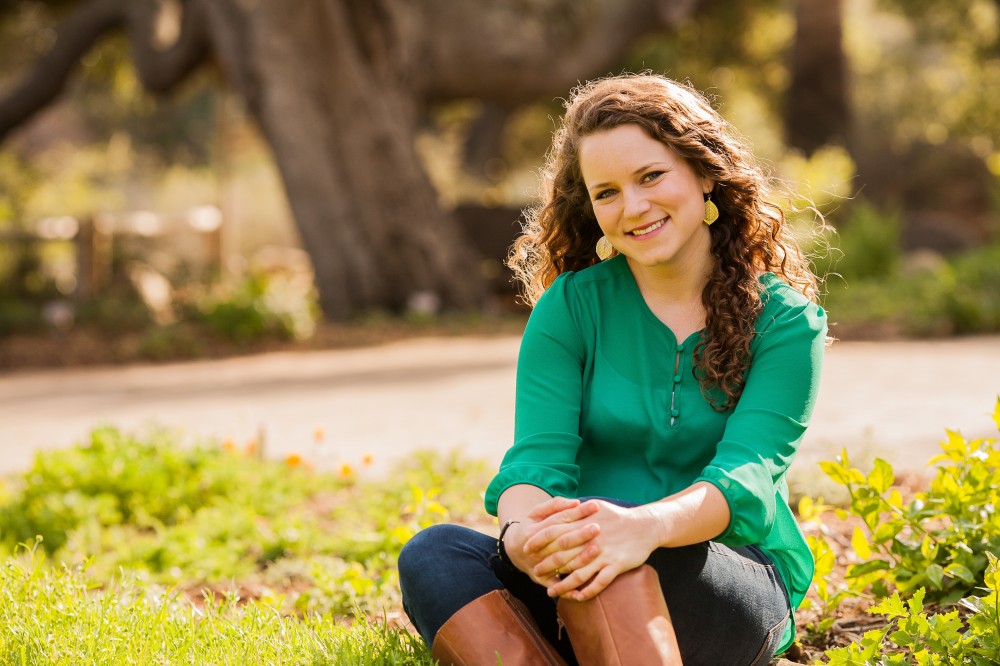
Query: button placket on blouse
point(675, 386)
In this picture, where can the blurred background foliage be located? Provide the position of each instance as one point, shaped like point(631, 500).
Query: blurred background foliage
point(921, 82)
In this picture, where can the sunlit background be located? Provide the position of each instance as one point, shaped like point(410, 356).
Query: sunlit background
point(191, 244)
point(333, 175)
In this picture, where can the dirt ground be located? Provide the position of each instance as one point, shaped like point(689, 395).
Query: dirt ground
point(891, 399)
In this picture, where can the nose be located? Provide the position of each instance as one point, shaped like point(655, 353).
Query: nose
point(635, 203)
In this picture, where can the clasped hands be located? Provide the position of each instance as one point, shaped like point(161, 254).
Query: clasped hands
point(576, 549)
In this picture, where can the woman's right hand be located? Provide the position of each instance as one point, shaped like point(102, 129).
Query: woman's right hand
point(571, 541)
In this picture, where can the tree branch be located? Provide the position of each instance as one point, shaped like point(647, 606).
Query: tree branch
point(47, 79)
point(160, 69)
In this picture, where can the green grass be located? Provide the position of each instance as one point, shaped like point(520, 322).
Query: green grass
point(150, 550)
point(58, 615)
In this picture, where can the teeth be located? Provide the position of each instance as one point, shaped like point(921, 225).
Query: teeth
point(650, 228)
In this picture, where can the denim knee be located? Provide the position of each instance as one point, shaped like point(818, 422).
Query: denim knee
point(441, 569)
point(426, 548)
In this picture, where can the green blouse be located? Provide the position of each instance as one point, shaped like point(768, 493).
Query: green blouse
point(608, 405)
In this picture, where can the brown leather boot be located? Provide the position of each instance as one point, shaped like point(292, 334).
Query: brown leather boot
point(625, 625)
point(495, 624)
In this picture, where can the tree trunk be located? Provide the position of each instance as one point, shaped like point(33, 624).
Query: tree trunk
point(352, 78)
point(816, 106)
point(335, 86)
point(368, 214)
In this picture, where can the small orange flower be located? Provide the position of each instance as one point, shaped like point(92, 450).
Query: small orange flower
point(228, 445)
point(251, 447)
point(293, 460)
point(319, 435)
point(345, 471)
point(368, 459)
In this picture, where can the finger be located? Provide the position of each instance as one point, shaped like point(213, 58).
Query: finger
point(567, 561)
point(541, 536)
point(575, 536)
point(558, 587)
point(572, 512)
point(551, 506)
point(552, 527)
point(557, 564)
point(594, 587)
point(589, 554)
point(547, 540)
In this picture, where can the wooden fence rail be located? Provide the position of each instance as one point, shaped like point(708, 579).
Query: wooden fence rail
point(94, 240)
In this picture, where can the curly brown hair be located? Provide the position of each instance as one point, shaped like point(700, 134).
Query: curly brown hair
point(749, 238)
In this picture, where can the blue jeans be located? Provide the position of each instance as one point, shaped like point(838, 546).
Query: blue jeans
point(728, 605)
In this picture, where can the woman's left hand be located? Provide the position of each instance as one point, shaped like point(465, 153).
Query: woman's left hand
point(625, 539)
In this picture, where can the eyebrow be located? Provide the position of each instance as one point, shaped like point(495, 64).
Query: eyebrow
point(598, 186)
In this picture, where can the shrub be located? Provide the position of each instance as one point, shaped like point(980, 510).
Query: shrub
point(912, 636)
point(307, 541)
point(939, 539)
point(119, 479)
point(870, 292)
point(865, 247)
point(261, 306)
point(973, 303)
point(939, 546)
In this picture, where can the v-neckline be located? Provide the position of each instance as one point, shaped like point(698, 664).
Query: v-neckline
point(647, 311)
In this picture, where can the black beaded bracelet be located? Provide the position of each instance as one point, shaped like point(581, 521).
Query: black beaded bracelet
point(501, 549)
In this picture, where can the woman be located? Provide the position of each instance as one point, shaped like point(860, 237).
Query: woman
point(663, 388)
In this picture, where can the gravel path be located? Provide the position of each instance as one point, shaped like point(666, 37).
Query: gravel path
point(336, 407)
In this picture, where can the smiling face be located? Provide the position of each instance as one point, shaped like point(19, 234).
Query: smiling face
point(648, 200)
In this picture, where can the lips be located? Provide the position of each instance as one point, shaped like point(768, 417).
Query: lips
point(649, 228)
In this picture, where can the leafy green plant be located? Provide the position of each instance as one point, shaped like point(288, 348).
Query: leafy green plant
point(872, 290)
point(830, 596)
point(258, 307)
point(308, 541)
point(974, 301)
point(866, 246)
point(939, 539)
point(916, 558)
point(912, 636)
point(119, 479)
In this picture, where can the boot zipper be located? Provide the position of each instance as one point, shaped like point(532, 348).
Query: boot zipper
point(526, 622)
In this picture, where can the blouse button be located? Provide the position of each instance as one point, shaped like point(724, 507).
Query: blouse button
point(680, 347)
point(677, 378)
point(675, 412)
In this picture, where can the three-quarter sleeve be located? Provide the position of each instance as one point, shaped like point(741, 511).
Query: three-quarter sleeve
point(767, 424)
point(549, 395)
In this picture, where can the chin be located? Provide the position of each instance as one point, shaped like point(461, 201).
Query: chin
point(652, 259)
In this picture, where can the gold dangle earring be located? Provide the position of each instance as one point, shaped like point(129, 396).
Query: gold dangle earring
point(604, 248)
point(711, 210)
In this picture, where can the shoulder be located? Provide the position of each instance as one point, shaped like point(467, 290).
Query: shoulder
point(785, 307)
point(586, 289)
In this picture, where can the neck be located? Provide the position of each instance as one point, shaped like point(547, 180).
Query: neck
point(681, 283)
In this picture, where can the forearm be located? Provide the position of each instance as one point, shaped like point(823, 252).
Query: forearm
point(696, 514)
point(517, 501)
